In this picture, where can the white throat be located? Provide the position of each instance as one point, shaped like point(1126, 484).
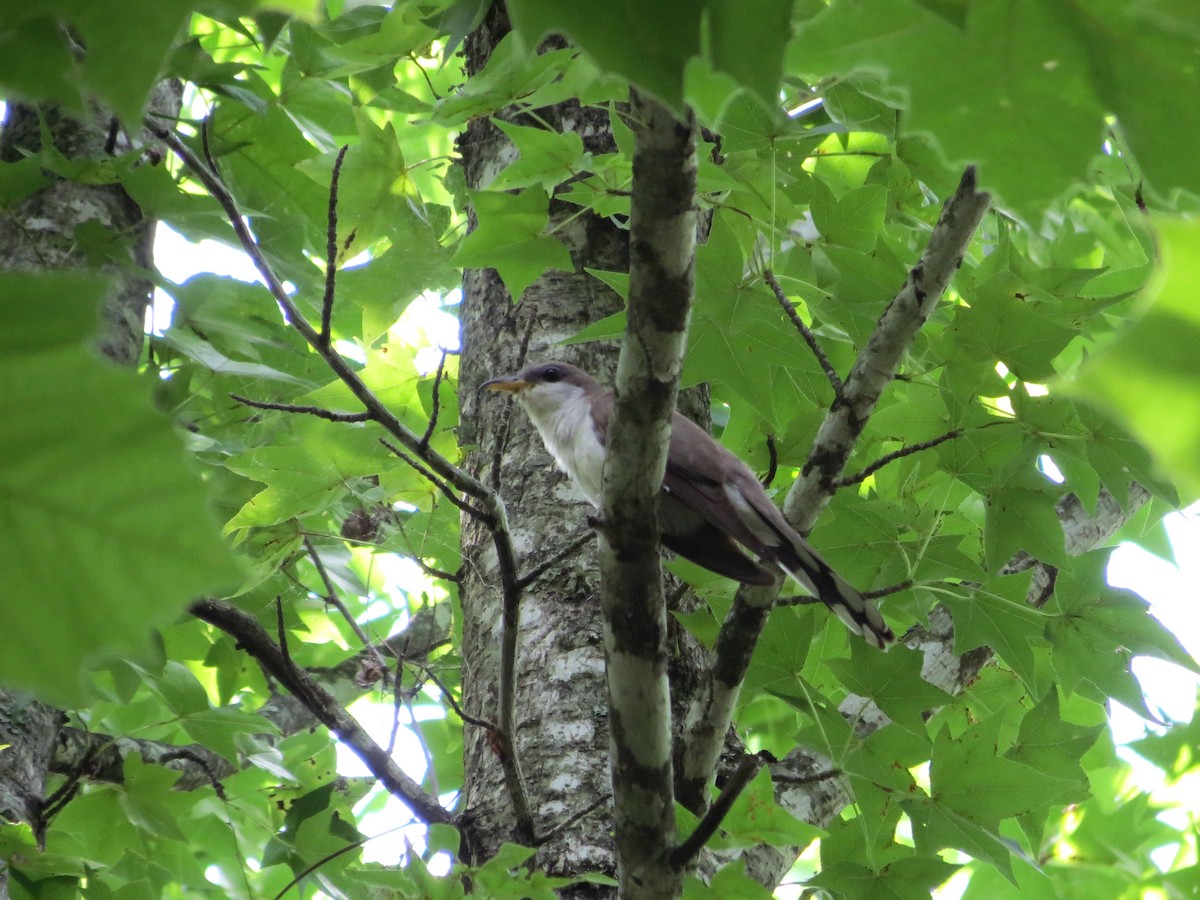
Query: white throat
point(562, 414)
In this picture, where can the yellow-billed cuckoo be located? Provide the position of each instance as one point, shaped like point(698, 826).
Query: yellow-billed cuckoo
point(712, 507)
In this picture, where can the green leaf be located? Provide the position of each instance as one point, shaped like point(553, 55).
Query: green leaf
point(546, 158)
point(1022, 520)
point(1136, 47)
point(218, 729)
point(781, 651)
point(146, 788)
point(739, 336)
point(910, 878)
point(510, 76)
point(730, 883)
point(511, 239)
point(1054, 747)
point(892, 680)
point(996, 615)
point(1098, 630)
point(1019, 67)
point(92, 473)
point(755, 818)
point(1002, 324)
point(39, 63)
point(936, 826)
point(967, 775)
point(648, 43)
point(1149, 374)
point(853, 220)
point(747, 40)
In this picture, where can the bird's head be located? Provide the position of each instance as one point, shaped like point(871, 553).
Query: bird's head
point(545, 387)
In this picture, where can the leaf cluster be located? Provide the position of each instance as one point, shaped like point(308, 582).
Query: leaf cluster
point(1030, 365)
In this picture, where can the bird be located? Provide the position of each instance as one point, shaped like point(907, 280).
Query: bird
point(713, 511)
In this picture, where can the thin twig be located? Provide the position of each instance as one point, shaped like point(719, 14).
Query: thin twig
point(908, 450)
point(572, 819)
point(454, 704)
point(466, 507)
point(331, 249)
point(808, 600)
point(344, 371)
point(772, 461)
point(432, 572)
point(281, 628)
point(203, 764)
point(565, 553)
point(437, 398)
point(57, 802)
point(888, 591)
point(415, 727)
point(397, 702)
point(332, 598)
point(205, 126)
point(331, 856)
point(779, 778)
point(835, 380)
point(746, 769)
point(319, 412)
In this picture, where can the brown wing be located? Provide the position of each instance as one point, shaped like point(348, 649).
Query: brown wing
point(685, 523)
point(697, 472)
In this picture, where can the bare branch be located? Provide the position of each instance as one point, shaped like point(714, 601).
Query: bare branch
point(320, 412)
point(466, 507)
point(453, 703)
point(376, 410)
point(709, 715)
point(493, 513)
point(847, 480)
point(746, 769)
point(331, 250)
point(879, 360)
point(437, 398)
point(565, 553)
point(253, 638)
point(835, 380)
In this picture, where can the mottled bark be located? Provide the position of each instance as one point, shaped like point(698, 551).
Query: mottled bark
point(29, 729)
point(43, 231)
point(561, 734)
point(662, 272)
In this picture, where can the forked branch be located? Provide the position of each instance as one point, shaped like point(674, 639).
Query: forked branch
point(876, 365)
point(319, 340)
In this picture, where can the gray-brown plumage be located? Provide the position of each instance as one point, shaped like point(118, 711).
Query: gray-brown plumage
point(712, 509)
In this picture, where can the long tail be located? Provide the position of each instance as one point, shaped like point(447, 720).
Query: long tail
point(813, 574)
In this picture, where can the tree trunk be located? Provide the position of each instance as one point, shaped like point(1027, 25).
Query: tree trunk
point(561, 730)
point(43, 233)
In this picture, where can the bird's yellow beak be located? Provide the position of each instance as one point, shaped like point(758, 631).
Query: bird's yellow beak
point(510, 384)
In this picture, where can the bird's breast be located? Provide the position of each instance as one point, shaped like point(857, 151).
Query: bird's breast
point(570, 436)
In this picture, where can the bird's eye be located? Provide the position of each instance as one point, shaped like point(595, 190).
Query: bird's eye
point(552, 374)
